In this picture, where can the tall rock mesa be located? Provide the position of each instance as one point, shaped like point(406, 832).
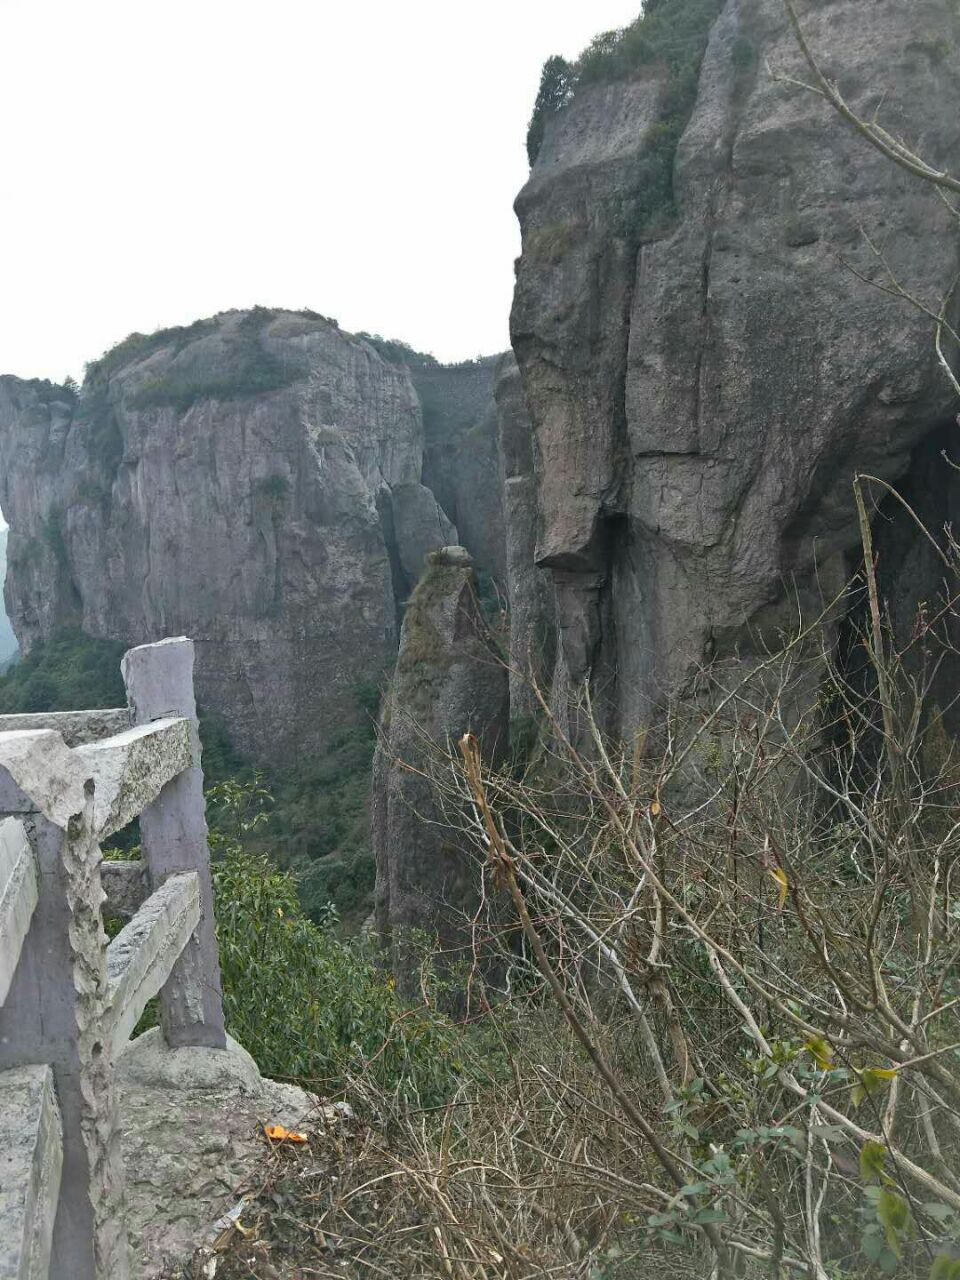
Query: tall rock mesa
point(233, 480)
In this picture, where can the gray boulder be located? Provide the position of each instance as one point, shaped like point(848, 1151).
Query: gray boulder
point(193, 1143)
point(419, 526)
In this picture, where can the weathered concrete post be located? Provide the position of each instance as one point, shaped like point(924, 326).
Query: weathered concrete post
point(159, 682)
point(54, 1008)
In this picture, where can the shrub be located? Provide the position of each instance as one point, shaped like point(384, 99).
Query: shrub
point(250, 369)
point(137, 346)
point(54, 537)
point(551, 243)
point(320, 823)
point(310, 1007)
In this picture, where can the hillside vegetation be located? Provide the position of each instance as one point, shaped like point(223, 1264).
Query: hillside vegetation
point(315, 818)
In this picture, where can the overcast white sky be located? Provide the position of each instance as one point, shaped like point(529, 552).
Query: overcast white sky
point(163, 161)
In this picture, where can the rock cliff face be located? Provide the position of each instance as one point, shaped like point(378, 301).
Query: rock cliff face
point(8, 641)
point(253, 481)
point(448, 681)
point(529, 588)
point(701, 399)
point(460, 460)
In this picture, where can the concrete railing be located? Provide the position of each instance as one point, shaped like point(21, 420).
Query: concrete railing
point(68, 1002)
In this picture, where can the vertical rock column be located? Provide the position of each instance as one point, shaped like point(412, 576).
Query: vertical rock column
point(449, 680)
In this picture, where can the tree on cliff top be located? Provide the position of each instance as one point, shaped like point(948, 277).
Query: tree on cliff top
point(554, 92)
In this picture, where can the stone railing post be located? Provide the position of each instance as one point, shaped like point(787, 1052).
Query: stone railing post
point(159, 682)
point(53, 1011)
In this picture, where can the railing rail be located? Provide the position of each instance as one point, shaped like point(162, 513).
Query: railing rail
point(67, 1002)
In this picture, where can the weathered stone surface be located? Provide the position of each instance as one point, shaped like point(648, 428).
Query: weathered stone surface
point(125, 887)
point(130, 769)
point(38, 772)
point(193, 1140)
point(701, 401)
point(31, 1161)
point(448, 681)
point(75, 727)
point(244, 517)
point(54, 1013)
point(8, 641)
point(18, 896)
point(142, 955)
point(173, 835)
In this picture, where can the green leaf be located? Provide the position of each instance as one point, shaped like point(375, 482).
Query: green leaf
point(822, 1052)
point(703, 1216)
point(694, 1189)
point(937, 1210)
point(873, 1158)
point(871, 1246)
point(870, 1081)
point(893, 1214)
point(945, 1268)
point(889, 1262)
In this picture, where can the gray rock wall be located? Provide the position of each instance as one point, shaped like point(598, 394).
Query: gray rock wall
point(229, 482)
point(8, 641)
point(529, 588)
point(460, 458)
point(702, 400)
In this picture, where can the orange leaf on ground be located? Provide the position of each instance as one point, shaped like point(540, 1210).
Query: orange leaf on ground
point(277, 1133)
